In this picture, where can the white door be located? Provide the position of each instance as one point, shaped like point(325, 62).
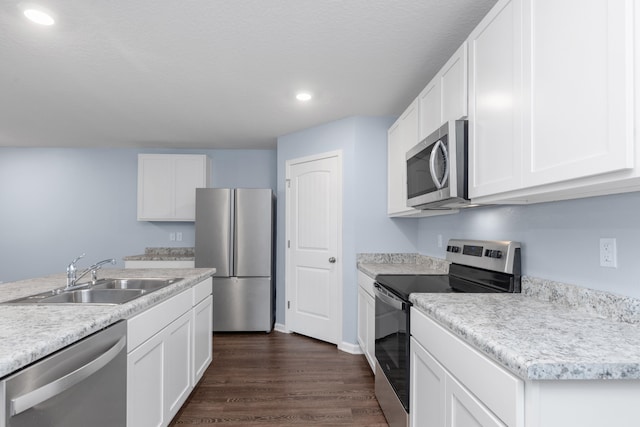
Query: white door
point(314, 289)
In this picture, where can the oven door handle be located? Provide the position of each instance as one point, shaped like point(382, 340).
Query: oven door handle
point(388, 298)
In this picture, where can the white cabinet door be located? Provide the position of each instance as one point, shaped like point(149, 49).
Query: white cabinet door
point(578, 59)
point(427, 394)
point(366, 325)
point(177, 364)
point(403, 135)
point(367, 318)
point(445, 97)
point(371, 331)
point(454, 84)
point(202, 338)
point(167, 183)
point(430, 108)
point(495, 90)
point(464, 410)
point(145, 381)
point(362, 319)
point(155, 181)
point(550, 99)
point(190, 173)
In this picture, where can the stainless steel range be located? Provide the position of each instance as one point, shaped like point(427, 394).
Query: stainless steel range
point(476, 266)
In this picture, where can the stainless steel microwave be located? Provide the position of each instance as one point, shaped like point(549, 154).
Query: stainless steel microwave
point(437, 169)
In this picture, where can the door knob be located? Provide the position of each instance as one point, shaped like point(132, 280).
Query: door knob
point(332, 260)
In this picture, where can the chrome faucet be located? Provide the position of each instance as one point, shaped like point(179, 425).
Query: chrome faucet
point(73, 276)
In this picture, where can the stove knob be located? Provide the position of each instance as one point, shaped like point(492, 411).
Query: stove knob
point(493, 253)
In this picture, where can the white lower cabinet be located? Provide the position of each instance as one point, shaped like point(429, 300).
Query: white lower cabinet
point(366, 318)
point(202, 338)
point(177, 373)
point(427, 391)
point(145, 380)
point(454, 385)
point(168, 350)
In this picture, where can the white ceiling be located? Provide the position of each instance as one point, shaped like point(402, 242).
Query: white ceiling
point(215, 73)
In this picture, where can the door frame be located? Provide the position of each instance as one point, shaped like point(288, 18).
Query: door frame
point(339, 250)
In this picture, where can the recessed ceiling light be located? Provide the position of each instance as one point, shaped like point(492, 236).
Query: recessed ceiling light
point(39, 17)
point(303, 96)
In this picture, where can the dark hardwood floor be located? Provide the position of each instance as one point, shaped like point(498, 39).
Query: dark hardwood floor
point(282, 379)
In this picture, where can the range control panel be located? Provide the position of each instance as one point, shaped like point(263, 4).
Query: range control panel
point(496, 255)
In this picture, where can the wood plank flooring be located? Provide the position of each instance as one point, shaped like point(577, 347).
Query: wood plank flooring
point(282, 379)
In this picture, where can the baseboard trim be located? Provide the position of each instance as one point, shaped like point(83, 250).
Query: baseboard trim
point(348, 347)
point(281, 328)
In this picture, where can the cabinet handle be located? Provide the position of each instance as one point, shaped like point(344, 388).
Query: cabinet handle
point(332, 260)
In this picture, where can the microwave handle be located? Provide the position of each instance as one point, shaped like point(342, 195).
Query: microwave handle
point(432, 165)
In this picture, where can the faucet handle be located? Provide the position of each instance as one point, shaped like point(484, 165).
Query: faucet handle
point(95, 267)
point(73, 263)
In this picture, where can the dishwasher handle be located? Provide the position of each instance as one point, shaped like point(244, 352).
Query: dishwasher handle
point(47, 391)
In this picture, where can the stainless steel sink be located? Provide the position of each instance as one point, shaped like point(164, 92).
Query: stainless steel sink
point(148, 285)
point(104, 292)
point(94, 296)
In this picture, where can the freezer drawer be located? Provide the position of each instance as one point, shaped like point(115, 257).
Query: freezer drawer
point(243, 304)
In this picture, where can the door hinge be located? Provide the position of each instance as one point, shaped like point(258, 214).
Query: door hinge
point(288, 183)
point(288, 243)
point(288, 305)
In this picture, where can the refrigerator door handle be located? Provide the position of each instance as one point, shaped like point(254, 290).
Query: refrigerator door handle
point(233, 238)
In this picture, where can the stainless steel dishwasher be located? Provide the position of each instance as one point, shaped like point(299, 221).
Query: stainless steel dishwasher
point(83, 384)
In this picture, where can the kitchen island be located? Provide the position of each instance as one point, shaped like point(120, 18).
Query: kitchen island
point(31, 332)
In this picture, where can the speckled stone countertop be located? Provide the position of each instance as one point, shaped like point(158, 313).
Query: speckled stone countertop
point(31, 332)
point(539, 339)
point(400, 263)
point(551, 331)
point(163, 254)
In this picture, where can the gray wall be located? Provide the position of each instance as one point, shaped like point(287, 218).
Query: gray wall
point(58, 203)
point(560, 239)
point(366, 227)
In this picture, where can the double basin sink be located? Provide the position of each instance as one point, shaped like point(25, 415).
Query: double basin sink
point(103, 291)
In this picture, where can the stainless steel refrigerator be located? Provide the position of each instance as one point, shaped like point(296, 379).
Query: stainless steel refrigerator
point(235, 234)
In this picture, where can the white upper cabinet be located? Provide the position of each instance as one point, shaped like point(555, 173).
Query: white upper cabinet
point(167, 183)
point(445, 97)
point(494, 101)
point(402, 136)
point(551, 100)
point(578, 100)
point(430, 104)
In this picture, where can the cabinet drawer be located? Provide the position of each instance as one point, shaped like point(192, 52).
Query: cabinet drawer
point(498, 389)
point(202, 290)
point(146, 324)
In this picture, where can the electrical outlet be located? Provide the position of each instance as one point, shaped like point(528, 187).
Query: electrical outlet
point(608, 253)
point(439, 240)
point(179, 236)
point(172, 237)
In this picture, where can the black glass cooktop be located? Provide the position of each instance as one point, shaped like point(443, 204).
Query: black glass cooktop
point(404, 284)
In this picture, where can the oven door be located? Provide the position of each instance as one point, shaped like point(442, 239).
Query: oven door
point(392, 337)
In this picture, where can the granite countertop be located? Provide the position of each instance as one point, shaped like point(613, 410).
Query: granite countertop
point(536, 339)
point(31, 332)
point(163, 254)
point(550, 331)
point(400, 263)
